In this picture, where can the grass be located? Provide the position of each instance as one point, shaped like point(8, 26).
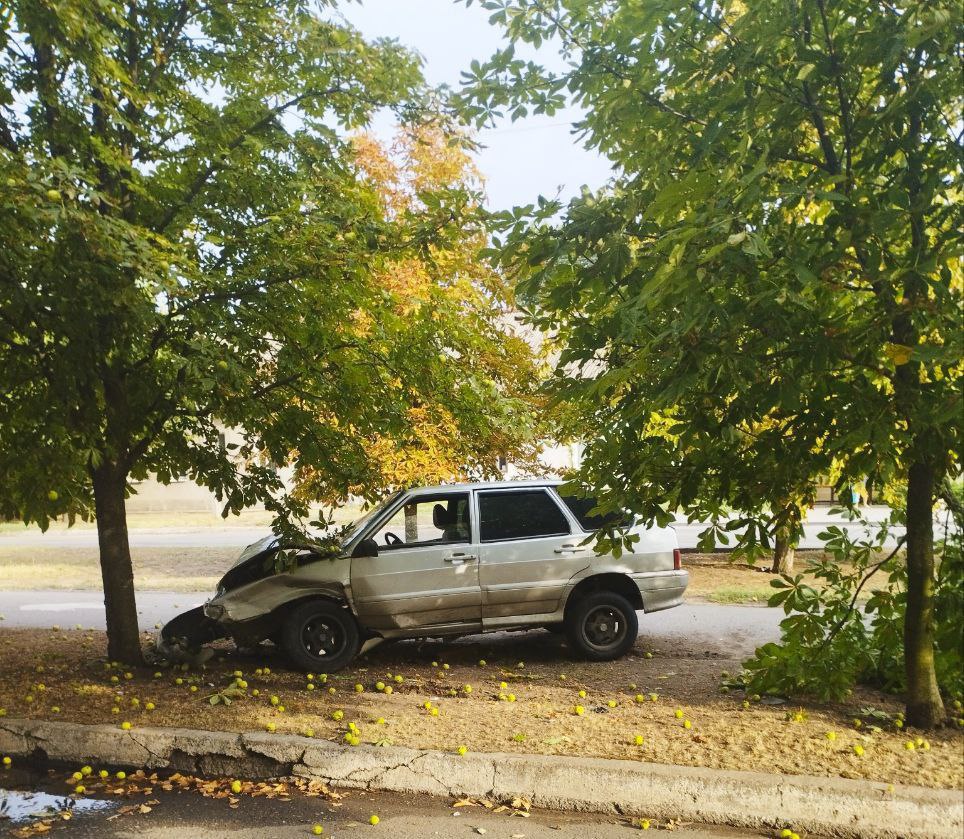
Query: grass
point(155, 569)
point(713, 577)
point(54, 674)
point(736, 596)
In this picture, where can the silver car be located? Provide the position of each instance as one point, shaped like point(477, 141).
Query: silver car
point(449, 560)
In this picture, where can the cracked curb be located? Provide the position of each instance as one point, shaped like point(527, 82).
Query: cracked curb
point(838, 807)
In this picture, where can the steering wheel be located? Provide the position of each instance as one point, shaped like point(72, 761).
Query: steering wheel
point(392, 539)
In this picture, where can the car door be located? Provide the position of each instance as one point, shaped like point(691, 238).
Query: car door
point(426, 573)
point(529, 550)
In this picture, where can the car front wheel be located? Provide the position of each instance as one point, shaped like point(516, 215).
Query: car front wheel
point(320, 636)
point(602, 626)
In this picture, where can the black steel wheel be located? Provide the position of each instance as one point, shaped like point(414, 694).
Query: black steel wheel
point(320, 636)
point(602, 625)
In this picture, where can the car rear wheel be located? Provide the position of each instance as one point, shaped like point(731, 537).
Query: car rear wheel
point(602, 626)
point(320, 636)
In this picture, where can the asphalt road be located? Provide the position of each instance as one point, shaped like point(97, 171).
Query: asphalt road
point(174, 815)
point(239, 537)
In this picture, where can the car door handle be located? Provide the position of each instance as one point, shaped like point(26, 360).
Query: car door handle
point(459, 557)
point(568, 549)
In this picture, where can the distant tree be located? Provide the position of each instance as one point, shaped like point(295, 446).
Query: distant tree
point(780, 249)
point(186, 245)
point(446, 298)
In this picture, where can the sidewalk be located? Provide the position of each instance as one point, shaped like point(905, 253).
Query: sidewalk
point(833, 806)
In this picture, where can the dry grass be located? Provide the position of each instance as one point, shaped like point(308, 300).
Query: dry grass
point(712, 576)
point(538, 672)
point(158, 569)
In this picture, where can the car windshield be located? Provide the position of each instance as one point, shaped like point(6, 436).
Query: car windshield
point(360, 524)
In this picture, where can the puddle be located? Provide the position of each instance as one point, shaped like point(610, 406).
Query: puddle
point(17, 806)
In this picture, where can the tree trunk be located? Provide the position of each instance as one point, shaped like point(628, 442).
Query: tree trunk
point(924, 706)
point(785, 536)
point(117, 572)
point(783, 554)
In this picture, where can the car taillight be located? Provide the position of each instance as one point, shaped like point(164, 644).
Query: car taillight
point(677, 559)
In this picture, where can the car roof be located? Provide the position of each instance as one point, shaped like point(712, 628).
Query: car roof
point(521, 484)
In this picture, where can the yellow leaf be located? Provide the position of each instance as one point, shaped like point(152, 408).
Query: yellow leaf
point(898, 353)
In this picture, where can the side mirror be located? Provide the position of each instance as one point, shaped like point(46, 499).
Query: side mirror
point(366, 547)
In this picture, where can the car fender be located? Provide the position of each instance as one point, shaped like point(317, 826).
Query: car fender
point(268, 595)
point(652, 554)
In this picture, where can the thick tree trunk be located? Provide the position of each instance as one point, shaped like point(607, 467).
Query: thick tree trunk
point(783, 554)
point(924, 706)
point(123, 638)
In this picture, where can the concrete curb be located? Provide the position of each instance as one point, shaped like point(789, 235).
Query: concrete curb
point(829, 806)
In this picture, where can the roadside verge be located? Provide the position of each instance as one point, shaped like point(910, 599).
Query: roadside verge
point(829, 806)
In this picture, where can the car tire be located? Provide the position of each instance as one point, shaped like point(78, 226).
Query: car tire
point(602, 626)
point(320, 636)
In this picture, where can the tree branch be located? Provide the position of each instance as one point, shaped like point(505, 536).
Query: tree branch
point(842, 100)
point(874, 569)
point(7, 140)
point(201, 179)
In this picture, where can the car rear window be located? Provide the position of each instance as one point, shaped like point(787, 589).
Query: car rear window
point(582, 507)
point(523, 514)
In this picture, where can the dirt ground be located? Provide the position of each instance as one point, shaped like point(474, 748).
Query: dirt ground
point(61, 675)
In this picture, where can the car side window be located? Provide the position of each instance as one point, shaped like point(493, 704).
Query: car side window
point(582, 508)
point(436, 519)
point(519, 514)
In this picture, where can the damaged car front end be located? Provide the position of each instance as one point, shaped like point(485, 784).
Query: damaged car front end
point(266, 579)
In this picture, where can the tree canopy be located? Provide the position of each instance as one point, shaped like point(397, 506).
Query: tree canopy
point(188, 244)
point(774, 272)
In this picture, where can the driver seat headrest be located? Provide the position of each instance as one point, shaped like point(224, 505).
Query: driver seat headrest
point(441, 517)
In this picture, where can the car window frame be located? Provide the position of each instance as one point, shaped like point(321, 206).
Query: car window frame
point(628, 525)
point(418, 497)
point(546, 490)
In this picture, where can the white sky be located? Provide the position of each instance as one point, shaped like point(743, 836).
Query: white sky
point(521, 160)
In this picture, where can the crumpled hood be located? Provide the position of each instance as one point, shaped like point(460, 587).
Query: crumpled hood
point(255, 548)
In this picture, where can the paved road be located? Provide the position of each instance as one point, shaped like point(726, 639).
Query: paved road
point(238, 537)
point(739, 629)
point(176, 815)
